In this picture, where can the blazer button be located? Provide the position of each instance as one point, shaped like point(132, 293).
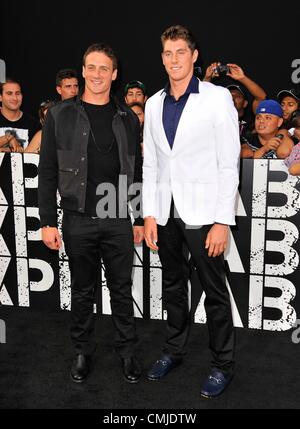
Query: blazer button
point(83, 158)
point(84, 133)
point(82, 183)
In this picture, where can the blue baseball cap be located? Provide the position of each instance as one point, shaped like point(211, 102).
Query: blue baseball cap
point(269, 106)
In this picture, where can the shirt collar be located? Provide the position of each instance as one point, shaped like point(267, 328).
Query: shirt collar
point(193, 87)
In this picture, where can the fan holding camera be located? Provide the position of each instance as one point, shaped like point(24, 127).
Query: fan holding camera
point(241, 89)
point(216, 69)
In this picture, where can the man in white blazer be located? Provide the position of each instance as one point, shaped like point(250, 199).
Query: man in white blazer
point(190, 181)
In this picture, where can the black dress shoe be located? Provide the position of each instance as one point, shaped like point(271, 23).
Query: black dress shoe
point(80, 368)
point(215, 384)
point(131, 370)
point(162, 367)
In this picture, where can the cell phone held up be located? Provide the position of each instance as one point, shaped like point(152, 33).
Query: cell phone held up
point(279, 136)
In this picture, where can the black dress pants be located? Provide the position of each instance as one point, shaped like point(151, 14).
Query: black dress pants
point(211, 273)
point(85, 238)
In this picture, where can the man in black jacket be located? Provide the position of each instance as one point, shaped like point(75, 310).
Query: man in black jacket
point(89, 145)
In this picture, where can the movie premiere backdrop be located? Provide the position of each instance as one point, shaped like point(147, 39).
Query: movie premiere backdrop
point(262, 260)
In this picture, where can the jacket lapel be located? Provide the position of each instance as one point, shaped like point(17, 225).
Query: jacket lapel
point(163, 138)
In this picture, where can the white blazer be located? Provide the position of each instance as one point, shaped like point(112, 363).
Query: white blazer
point(201, 172)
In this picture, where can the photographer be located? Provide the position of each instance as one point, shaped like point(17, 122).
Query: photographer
point(239, 88)
point(236, 73)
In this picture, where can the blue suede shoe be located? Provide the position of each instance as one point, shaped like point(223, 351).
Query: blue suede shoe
point(161, 367)
point(215, 384)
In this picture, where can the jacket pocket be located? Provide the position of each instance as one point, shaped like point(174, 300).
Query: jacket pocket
point(68, 172)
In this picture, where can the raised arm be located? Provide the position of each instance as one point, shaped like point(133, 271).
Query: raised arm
point(257, 92)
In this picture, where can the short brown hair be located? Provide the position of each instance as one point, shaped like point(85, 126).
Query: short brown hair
point(176, 32)
point(65, 74)
point(101, 47)
point(9, 80)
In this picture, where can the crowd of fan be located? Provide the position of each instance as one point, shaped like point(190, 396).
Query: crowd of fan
point(268, 128)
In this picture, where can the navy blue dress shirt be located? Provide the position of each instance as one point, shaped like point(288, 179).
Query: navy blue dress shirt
point(173, 109)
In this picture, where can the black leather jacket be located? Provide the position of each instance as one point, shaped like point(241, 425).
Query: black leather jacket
point(63, 156)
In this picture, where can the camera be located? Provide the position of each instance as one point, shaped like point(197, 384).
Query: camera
point(222, 70)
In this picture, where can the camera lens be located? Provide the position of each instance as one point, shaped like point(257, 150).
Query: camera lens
point(222, 69)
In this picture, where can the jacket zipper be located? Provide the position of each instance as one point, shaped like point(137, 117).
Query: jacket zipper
point(70, 170)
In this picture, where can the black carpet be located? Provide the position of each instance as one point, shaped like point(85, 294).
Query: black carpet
point(36, 359)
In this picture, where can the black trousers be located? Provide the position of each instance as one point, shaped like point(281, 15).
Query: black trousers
point(85, 238)
point(211, 273)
